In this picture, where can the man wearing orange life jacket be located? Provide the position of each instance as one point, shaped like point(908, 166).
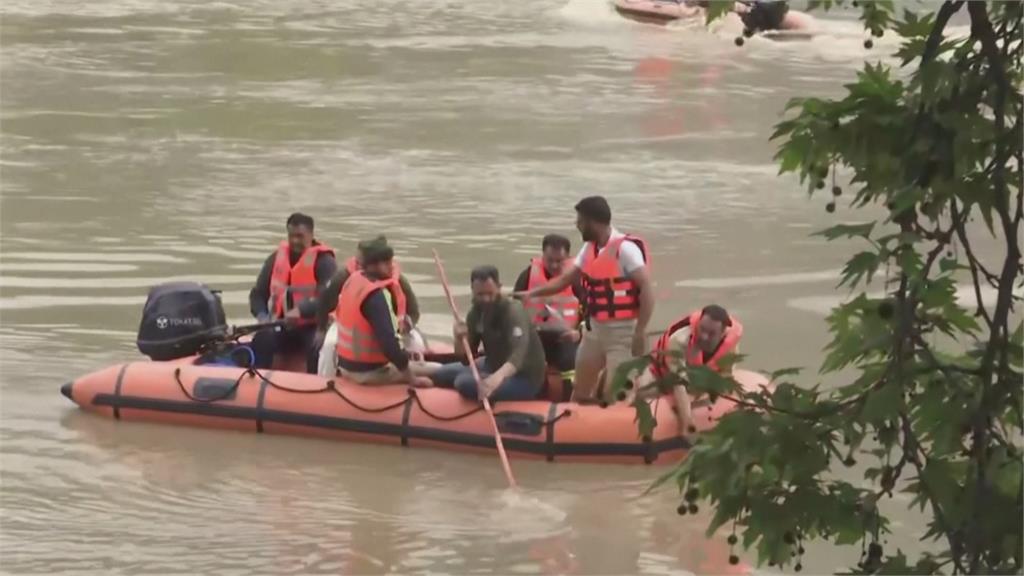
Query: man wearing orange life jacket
point(328, 300)
point(287, 289)
point(614, 270)
point(700, 338)
point(369, 307)
point(556, 318)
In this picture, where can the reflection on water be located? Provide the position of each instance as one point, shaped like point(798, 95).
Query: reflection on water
point(149, 141)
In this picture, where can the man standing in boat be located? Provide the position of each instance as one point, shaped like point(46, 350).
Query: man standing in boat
point(287, 289)
point(614, 270)
point(512, 367)
point(367, 318)
point(557, 318)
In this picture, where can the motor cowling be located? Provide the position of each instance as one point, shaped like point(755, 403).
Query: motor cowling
point(179, 318)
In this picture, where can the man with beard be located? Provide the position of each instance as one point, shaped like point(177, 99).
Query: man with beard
point(512, 367)
point(701, 338)
point(614, 269)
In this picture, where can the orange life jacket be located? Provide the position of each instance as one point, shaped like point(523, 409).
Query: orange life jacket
point(294, 283)
point(565, 302)
point(611, 295)
point(694, 355)
point(356, 341)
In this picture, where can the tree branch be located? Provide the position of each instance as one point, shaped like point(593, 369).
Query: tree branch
point(975, 265)
point(912, 449)
point(931, 45)
point(981, 28)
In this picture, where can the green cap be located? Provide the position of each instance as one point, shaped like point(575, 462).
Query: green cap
point(375, 250)
point(372, 244)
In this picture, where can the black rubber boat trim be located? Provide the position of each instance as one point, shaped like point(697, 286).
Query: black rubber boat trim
point(259, 401)
point(542, 448)
point(117, 390)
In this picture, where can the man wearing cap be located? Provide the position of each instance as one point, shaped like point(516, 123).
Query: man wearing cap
point(328, 302)
point(367, 317)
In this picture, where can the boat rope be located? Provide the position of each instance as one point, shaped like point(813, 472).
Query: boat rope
point(416, 398)
point(330, 386)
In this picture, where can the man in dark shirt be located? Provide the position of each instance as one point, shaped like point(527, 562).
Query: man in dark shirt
point(513, 364)
point(558, 328)
point(328, 300)
point(287, 288)
point(369, 348)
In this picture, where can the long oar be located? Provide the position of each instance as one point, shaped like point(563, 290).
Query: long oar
point(476, 375)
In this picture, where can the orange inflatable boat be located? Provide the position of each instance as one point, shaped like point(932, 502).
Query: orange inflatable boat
point(655, 11)
point(189, 382)
point(278, 401)
point(794, 25)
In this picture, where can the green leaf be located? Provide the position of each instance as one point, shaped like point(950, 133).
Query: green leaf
point(1008, 474)
point(716, 9)
point(950, 265)
point(644, 418)
point(883, 404)
point(862, 265)
point(914, 27)
point(703, 379)
point(625, 372)
point(847, 231)
point(943, 480)
point(783, 372)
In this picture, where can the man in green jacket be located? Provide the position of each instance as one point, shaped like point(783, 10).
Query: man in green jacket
point(513, 366)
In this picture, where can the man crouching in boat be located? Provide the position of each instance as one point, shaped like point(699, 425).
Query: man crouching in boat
point(369, 308)
point(702, 338)
point(513, 364)
point(287, 288)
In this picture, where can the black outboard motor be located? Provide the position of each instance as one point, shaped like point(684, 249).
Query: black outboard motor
point(179, 319)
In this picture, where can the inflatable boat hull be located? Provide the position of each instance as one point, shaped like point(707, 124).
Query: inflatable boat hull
point(308, 405)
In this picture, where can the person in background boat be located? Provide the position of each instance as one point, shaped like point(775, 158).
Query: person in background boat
point(614, 270)
point(762, 15)
point(557, 318)
point(700, 338)
point(287, 288)
point(512, 367)
point(367, 318)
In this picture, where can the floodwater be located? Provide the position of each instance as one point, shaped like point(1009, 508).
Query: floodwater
point(145, 141)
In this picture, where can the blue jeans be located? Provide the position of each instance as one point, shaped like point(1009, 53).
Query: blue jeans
point(460, 376)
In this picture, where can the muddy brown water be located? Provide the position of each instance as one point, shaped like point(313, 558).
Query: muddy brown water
point(145, 141)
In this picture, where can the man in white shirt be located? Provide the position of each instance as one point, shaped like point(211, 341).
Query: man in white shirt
point(614, 270)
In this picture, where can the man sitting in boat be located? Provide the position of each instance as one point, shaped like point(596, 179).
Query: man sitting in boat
point(701, 338)
point(287, 288)
point(328, 302)
point(367, 317)
point(556, 318)
point(512, 367)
